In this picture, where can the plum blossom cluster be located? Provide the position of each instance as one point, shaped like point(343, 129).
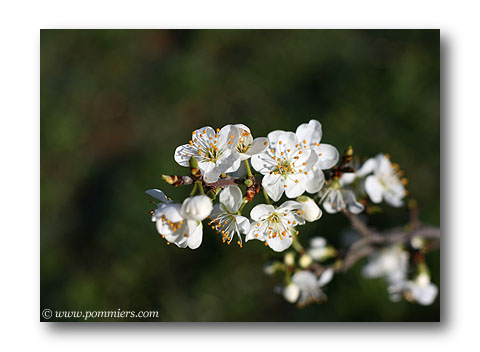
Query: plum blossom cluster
point(391, 264)
point(295, 175)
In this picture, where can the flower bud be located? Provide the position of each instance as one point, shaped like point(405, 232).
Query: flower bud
point(305, 261)
point(197, 208)
point(289, 259)
point(423, 279)
point(417, 242)
point(310, 210)
point(291, 293)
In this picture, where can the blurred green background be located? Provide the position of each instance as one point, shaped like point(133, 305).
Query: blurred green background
point(116, 103)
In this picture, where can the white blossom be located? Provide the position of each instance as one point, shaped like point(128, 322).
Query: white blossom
point(310, 135)
point(225, 218)
point(419, 290)
point(287, 167)
point(181, 223)
point(319, 250)
point(306, 139)
point(337, 198)
point(385, 182)
point(247, 146)
point(390, 263)
point(422, 290)
point(215, 151)
point(306, 288)
point(275, 226)
point(310, 210)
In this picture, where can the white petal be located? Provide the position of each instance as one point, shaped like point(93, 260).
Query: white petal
point(318, 242)
point(374, 189)
point(242, 127)
point(195, 235)
point(311, 132)
point(424, 295)
point(291, 293)
point(289, 206)
point(183, 154)
point(347, 178)
point(273, 184)
point(254, 230)
point(383, 164)
point(228, 137)
point(326, 277)
point(261, 211)
point(231, 198)
point(310, 210)
point(233, 162)
point(273, 137)
point(242, 170)
point(393, 199)
point(163, 228)
point(289, 140)
point(367, 168)
point(315, 181)
point(204, 133)
point(158, 194)
point(212, 176)
point(279, 245)
point(294, 189)
point(353, 205)
point(217, 211)
point(243, 224)
point(171, 212)
point(262, 163)
point(196, 208)
point(258, 146)
point(304, 279)
point(327, 156)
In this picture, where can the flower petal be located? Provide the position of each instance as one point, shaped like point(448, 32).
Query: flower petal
point(374, 189)
point(279, 245)
point(259, 145)
point(243, 224)
point(291, 293)
point(354, 206)
point(273, 137)
point(289, 206)
point(183, 154)
point(228, 137)
point(315, 180)
point(195, 234)
point(273, 184)
point(262, 163)
point(231, 198)
point(367, 168)
point(294, 189)
point(327, 156)
point(424, 295)
point(310, 132)
point(261, 211)
point(158, 194)
point(304, 279)
point(326, 277)
point(196, 208)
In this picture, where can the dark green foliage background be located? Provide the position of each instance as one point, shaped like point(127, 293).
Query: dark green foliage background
point(116, 103)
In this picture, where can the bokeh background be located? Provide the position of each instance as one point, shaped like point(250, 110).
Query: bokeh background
point(116, 103)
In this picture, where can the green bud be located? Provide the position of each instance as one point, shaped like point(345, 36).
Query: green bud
point(248, 182)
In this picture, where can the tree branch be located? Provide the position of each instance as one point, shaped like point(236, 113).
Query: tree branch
point(371, 239)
